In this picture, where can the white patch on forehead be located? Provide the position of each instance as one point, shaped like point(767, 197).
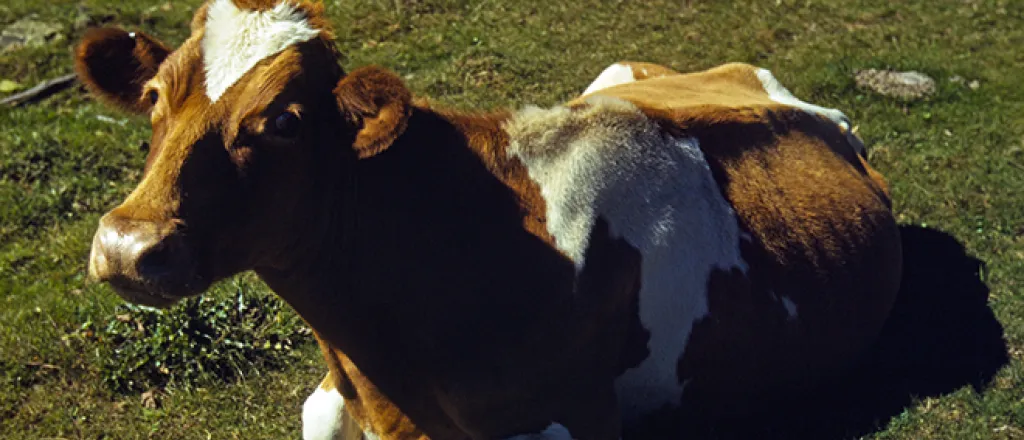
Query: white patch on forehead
point(322, 415)
point(611, 76)
point(235, 40)
point(780, 94)
point(656, 191)
point(554, 431)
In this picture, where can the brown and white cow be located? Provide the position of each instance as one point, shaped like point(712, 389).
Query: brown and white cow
point(664, 242)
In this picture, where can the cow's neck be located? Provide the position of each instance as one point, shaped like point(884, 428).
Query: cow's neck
point(440, 233)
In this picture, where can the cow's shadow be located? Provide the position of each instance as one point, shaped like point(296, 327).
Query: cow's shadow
point(941, 336)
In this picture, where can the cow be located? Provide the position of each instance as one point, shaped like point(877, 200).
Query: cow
point(664, 242)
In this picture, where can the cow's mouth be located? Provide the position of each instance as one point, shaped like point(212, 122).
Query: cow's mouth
point(155, 295)
point(144, 298)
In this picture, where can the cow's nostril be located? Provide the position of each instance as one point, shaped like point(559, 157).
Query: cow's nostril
point(155, 262)
point(146, 262)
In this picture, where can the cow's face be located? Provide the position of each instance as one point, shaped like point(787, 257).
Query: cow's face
point(254, 128)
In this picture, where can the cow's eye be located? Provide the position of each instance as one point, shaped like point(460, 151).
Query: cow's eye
point(153, 97)
point(286, 125)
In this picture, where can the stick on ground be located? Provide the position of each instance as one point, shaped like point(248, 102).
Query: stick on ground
point(40, 91)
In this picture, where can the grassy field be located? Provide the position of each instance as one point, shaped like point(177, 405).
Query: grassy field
point(75, 363)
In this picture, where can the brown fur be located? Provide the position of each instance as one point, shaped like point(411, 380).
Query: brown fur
point(387, 224)
point(255, 5)
point(379, 104)
point(831, 208)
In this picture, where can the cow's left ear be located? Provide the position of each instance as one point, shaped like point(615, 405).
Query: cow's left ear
point(114, 64)
point(379, 104)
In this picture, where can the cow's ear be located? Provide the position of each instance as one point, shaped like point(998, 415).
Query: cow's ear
point(378, 103)
point(114, 64)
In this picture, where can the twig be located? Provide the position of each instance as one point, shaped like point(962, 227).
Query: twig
point(42, 365)
point(44, 89)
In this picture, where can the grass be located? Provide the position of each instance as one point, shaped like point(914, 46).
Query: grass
point(955, 161)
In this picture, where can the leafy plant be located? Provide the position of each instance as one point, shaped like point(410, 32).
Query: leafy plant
point(218, 337)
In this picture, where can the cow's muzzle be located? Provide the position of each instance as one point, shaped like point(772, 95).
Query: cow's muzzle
point(145, 262)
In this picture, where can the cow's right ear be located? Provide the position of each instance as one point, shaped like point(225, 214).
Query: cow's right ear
point(379, 104)
point(114, 64)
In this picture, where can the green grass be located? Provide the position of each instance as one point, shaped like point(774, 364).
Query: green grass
point(955, 161)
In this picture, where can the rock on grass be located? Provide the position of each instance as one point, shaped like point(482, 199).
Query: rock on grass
point(29, 32)
point(909, 85)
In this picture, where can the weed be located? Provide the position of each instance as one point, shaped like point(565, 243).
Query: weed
point(202, 341)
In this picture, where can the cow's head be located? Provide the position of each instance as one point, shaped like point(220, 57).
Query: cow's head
point(254, 126)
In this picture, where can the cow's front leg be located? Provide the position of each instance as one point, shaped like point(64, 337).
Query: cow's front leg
point(324, 416)
point(323, 413)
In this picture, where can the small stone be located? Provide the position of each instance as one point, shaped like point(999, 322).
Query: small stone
point(29, 32)
point(956, 79)
point(974, 84)
point(905, 85)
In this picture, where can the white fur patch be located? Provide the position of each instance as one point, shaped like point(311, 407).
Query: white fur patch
point(554, 431)
point(322, 415)
point(611, 76)
point(235, 40)
point(656, 191)
point(780, 94)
